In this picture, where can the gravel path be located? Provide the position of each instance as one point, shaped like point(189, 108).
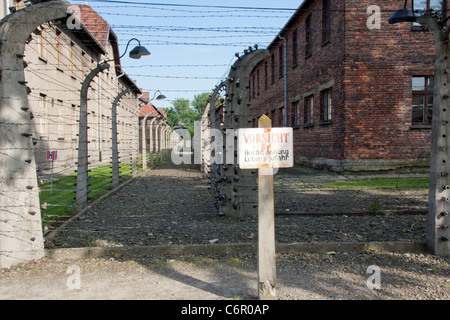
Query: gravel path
point(172, 205)
point(168, 205)
point(302, 276)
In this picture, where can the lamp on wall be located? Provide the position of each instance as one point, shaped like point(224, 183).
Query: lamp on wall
point(404, 15)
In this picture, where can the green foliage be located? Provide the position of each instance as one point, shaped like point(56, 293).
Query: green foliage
point(380, 184)
point(59, 204)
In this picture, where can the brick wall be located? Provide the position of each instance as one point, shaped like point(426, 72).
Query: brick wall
point(379, 65)
point(369, 73)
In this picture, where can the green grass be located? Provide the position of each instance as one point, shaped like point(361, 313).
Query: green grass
point(380, 184)
point(61, 202)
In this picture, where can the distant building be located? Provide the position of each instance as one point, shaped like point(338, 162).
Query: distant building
point(150, 120)
point(358, 98)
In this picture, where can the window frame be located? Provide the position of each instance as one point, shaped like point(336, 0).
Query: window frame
point(295, 113)
point(295, 48)
point(326, 105)
point(308, 110)
point(426, 93)
point(326, 21)
point(308, 36)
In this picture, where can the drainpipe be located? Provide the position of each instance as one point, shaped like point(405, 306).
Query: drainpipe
point(285, 79)
point(100, 117)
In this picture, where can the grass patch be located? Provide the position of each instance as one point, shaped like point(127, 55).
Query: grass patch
point(59, 205)
point(380, 184)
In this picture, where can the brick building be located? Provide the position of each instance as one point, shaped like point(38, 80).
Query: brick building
point(358, 97)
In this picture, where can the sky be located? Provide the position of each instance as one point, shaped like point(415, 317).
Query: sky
point(192, 43)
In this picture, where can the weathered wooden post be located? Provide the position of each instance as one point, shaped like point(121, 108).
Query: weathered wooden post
point(266, 149)
point(266, 228)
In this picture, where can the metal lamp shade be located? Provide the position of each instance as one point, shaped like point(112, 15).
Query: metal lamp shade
point(138, 52)
point(403, 15)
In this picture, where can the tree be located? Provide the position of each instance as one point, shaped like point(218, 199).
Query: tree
point(200, 102)
point(186, 113)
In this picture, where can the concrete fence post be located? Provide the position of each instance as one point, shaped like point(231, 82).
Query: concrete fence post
point(144, 142)
point(151, 137)
point(235, 189)
point(135, 141)
point(159, 132)
point(438, 231)
point(21, 236)
point(115, 149)
point(82, 169)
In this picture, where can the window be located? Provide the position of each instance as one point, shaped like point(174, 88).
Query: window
point(73, 120)
point(58, 48)
point(325, 105)
point(295, 47)
point(295, 113)
point(308, 110)
point(42, 51)
point(272, 62)
point(72, 56)
point(258, 89)
point(274, 118)
point(424, 5)
point(281, 118)
point(60, 129)
point(251, 88)
point(43, 114)
point(326, 21)
point(83, 71)
point(308, 36)
point(422, 99)
point(428, 5)
point(266, 75)
point(280, 61)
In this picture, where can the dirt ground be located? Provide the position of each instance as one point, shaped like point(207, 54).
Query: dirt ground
point(335, 275)
point(302, 276)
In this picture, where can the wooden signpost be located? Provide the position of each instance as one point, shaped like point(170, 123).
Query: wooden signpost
point(266, 149)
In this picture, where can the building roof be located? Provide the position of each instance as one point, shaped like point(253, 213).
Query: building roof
point(101, 32)
point(162, 112)
point(94, 23)
point(148, 109)
point(300, 10)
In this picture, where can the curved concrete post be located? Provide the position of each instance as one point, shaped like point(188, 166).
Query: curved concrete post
point(82, 170)
point(144, 141)
point(157, 141)
point(438, 231)
point(114, 147)
point(161, 140)
point(152, 149)
point(168, 142)
point(21, 236)
point(166, 130)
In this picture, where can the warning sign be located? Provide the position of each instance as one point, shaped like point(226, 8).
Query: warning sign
point(265, 148)
point(52, 154)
